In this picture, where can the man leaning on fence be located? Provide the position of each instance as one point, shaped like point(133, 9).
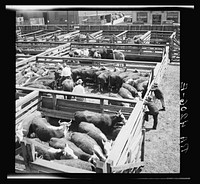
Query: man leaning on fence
point(152, 110)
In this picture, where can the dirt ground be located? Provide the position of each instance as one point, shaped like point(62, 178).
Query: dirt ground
point(162, 149)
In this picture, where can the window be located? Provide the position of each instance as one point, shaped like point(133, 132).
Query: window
point(172, 16)
point(156, 19)
point(142, 16)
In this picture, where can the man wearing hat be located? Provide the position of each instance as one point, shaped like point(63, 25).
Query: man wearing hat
point(79, 89)
point(159, 95)
point(66, 72)
point(153, 110)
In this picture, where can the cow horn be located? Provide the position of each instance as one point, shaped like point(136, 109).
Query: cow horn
point(59, 122)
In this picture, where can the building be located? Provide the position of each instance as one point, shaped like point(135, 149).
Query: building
point(155, 17)
point(46, 17)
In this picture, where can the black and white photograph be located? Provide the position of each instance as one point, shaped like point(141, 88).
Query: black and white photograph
point(98, 90)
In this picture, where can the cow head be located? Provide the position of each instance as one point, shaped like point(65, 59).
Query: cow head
point(65, 126)
point(121, 117)
point(107, 145)
point(93, 159)
point(68, 153)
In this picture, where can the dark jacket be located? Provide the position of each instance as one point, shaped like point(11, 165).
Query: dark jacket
point(158, 93)
point(153, 110)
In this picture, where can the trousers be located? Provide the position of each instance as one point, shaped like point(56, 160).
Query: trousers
point(155, 118)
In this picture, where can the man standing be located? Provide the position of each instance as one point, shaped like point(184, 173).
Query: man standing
point(79, 89)
point(153, 110)
point(159, 95)
point(66, 72)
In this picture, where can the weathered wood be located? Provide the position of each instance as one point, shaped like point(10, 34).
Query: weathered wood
point(91, 96)
point(56, 113)
point(53, 167)
point(32, 104)
point(19, 119)
point(99, 60)
point(118, 44)
point(27, 98)
point(126, 166)
point(123, 135)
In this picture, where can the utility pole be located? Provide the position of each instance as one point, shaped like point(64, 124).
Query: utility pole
point(67, 21)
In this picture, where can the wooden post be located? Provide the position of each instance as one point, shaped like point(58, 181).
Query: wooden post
point(102, 105)
point(143, 141)
point(54, 100)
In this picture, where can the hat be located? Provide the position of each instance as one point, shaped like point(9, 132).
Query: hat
point(155, 85)
point(79, 81)
point(149, 98)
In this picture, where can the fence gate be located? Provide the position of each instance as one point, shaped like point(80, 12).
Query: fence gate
point(174, 54)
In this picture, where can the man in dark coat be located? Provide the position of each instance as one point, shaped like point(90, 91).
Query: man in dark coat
point(159, 95)
point(153, 110)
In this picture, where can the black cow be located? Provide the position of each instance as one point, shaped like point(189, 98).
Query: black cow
point(103, 80)
point(115, 81)
point(104, 122)
point(68, 85)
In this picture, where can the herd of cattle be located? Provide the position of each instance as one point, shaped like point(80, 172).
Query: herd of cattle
point(119, 82)
point(88, 137)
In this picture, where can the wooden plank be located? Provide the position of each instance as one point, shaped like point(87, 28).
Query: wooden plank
point(33, 58)
point(53, 167)
point(124, 134)
point(19, 161)
point(132, 62)
point(18, 150)
point(132, 142)
point(57, 113)
point(127, 166)
point(92, 96)
point(27, 98)
point(19, 119)
point(115, 108)
point(117, 44)
point(77, 104)
point(32, 104)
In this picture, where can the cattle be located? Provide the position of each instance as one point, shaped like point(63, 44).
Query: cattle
point(94, 53)
point(125, 93)
point(118, 55)
point(27, 121)
point(113, 102)
point(77, 163)
point(115, 81)
point(49, 153)
point(111, 54)
point(129, 75)
point(104, 122)
point(44, 131)
point(60, 143)
point(37, 85)
point(87, 144)
point(94, 132)
point(131, 89)
point(102, 80)
point(68, 85)
point(142, 87)
point(116, 129)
